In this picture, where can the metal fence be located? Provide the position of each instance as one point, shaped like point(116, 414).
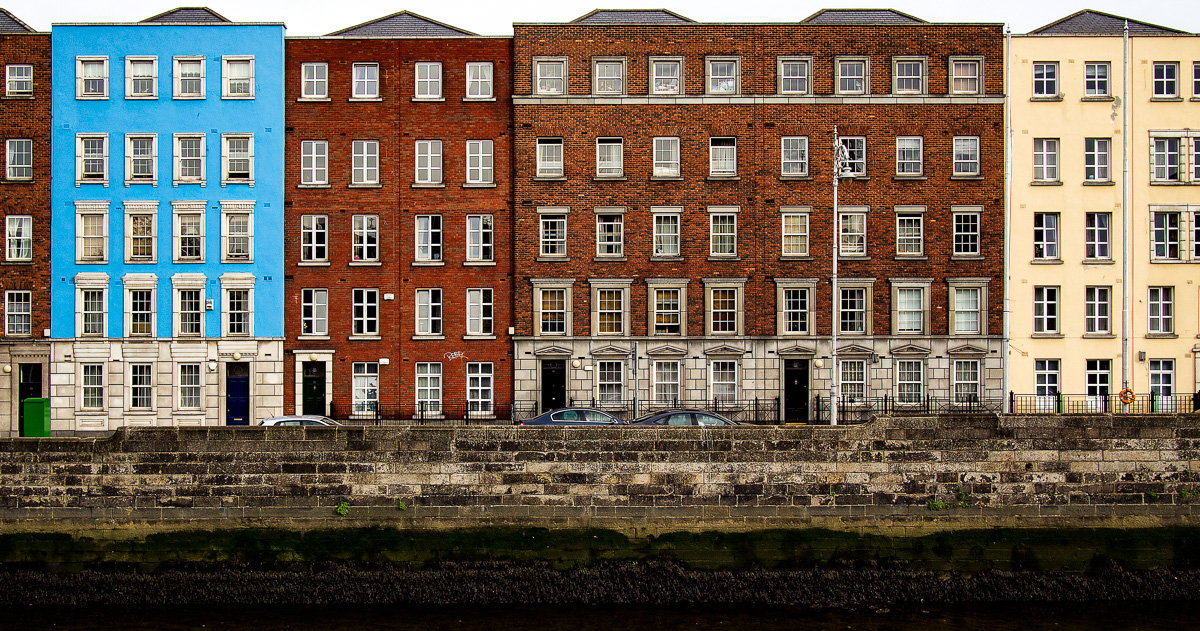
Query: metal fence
point(752, 411)
point(855, 410)
point(1107, 403)
point(426, 413)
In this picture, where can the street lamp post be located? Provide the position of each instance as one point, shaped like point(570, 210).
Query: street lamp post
point(841, 169)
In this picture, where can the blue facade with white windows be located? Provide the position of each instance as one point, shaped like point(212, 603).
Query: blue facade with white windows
point(167, 218)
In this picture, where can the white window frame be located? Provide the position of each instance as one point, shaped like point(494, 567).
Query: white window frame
point(794, 301)
point(910, 390)
point(81, 158)
point(966, 156)
point(365, 388)
point(365, 82)
point(922, 78)
point(856, 154)
point(179, 177)
point(550, 84)
point(1047, 307)
point(314, 85)
point(1047, 379)
point(666, 157)
point(796, 227)
point(960, 80)
point(1047, 236)
point(610, 232)
point(1160, 310)
point(132, 158)
point(365, 312)
point(666, 307)
point(18, 159)
point(364, 169)
point(723, 231)
point(480, 162)
point(1163, 159)
point(314, 163)
point(240, 282)
point(793, 156)
point(841, 67)
point(14, 76)
point(722, 157)
point(1045, 159)
point(552, 232)
point(854, 308)
point(1162, 379)
point(314, 312)
point(662, 84)
point(141, 387)
point(83, 210)
point(853, 380)
point(428, 312)
point(804, 78)
point(1164, 86)
point(228, 80)
point(314, 238)
point(429, 86)
point(1167, 230)
point(95, 314)
point(668, 376)
point(667, 231)
point(428, 382)
point(610, 307)
point(141, 283)
point(82, 92)
point(428, 162)
point(910, 231)
point(177, 78)
point(227, 158)
point(723, 380)
point(428, 238)
point(614, 81)
point(852, 232)
point(189, 282)
point(1097, 76)
point(1097, 159)
point(480, 389)
point(910, 158)
point(610, 382)
point(967, 382)
point(190, 394)
point(549, 312)
point(480, 238)
point(1097, 300)
point(18, 313)
point(729, 319)
point(231, 210)
point(610, 157)
point(968, 306)
point(18, 238)
point(479, 81)
point(1045, 80)
point(723, 83)
point(130, 93)
point(1097, 239)
point(138, 212)
point(550, 162)
point(481, 312)
point(364, 235)
point(963, 238)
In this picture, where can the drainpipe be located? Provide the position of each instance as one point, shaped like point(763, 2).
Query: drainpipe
point(1126, 216)
point(1008, 130)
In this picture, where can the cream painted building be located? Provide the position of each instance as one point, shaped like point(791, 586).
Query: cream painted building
point(1072, 203)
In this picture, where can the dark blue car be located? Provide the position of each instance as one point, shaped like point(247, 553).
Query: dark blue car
point(574, 417)
point(683, 418)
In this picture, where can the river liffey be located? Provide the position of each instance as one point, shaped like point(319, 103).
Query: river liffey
point(1114, 616)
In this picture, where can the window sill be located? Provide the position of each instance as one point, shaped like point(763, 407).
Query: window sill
point(911, 257)
point(15, 263)
point(724, 178)
point(363, 338)
point(549, 259)
point(428, 337)
point(301, 338)
point(1161, 336)
point(374, 99)
point(795, 178)
point(1046, 262)
point(129, 183)
point(967, 257)
point(427, 263)
point(188, 97)
point(428, 99)
point(364, 185)
point(225, 183)
point(141, 97)
point(1099, 336)
point(479, 185)
point(17, 97)
point(104, 183)
point(610, 178)
point(27, 180)
point(666, 178)
point(1046, 183)
point(91, 262)
point(365, 263)
point(313, 186)
point(1047, 336)
point(470, 338)
point(1166, 99)
point(312, 263)
point(1095, 99)
point(1046, 99)
point(609, 259)
point(140, 261)
point(914, 178)
point(1154, 261)
point(723, 257)
point(796, 257)
point(178, 183)
point(550, 178)
point(1195, 99)
point(81, 97)
point(966, 178)
point(1099, 183)
point(231, 97)
point(479, 99)
point(853, 257)
point(428, 185)
point(479, 263)
point(860, 178)
point(312, 100)
point(1098, 262)
point(1152, 183)
point(665, 258)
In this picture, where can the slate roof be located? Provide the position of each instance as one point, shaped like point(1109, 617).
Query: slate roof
point(1088, 22)
point(10, 24)
point(861, 16)
point(189, 15)
point(632, 16)
point(402, 24)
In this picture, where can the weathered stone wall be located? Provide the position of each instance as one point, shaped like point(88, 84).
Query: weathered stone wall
point(897, 475)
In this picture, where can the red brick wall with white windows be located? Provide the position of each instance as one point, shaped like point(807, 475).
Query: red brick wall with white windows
point(398, 121)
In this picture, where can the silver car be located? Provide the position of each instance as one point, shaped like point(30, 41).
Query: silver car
point(307, 420)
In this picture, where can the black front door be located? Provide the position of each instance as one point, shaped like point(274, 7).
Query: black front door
point(237, 394)
point(554, 384)
point(29, 386)
point(314, 388)
point(795, 391)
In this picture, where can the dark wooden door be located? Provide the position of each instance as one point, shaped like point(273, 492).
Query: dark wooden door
point(554, 384)
point(237, 394)
point(795, 391)
point(314, 388)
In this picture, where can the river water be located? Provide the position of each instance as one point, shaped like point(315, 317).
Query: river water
point(1117, 616)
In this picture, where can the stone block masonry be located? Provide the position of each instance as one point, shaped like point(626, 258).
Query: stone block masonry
point(898, 476)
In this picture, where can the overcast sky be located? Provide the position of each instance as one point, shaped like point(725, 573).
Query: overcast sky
point(495, 17)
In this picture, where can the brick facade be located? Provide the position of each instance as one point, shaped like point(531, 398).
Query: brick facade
point(25, 116)
point(757, 115)
point(397, 120)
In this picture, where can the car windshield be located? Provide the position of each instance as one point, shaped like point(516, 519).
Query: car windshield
point(704, 419)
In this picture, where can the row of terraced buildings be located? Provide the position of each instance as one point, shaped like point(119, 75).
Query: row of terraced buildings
point(403, 220)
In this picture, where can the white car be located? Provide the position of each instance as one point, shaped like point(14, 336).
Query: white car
point(300, 419)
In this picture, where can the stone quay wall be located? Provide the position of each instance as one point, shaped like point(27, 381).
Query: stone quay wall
point(894, 475)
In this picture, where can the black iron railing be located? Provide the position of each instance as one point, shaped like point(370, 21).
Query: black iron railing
point(1103, 403)
point(753, 411)
point(432, 413)
point(854, 410)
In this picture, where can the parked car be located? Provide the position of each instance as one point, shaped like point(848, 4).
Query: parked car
point(574, 417)
point(307, 420)
point(683, 418)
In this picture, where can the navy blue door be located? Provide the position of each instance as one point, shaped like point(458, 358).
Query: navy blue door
point(237, 394)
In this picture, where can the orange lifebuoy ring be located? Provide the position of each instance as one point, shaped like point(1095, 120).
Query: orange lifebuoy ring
point(1127, 396)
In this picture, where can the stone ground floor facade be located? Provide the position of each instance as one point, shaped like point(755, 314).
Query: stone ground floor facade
point(25, 373)
point(796, 372)
point(101, 385)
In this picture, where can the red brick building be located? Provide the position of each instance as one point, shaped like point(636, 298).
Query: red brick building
point(674, 190)
point(25, 205)
point(398, 222)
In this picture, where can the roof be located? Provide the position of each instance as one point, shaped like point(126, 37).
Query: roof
point(632, 16)
point(188, 15)
point(402, 24)
point(861, 16)
point(10, 24)
point(1088, 22)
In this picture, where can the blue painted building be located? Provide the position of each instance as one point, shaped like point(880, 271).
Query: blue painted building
point(167, 216)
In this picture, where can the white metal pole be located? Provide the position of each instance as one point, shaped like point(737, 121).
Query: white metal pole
point(1006, 349)
point(1126, 214)
point(834, 322)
